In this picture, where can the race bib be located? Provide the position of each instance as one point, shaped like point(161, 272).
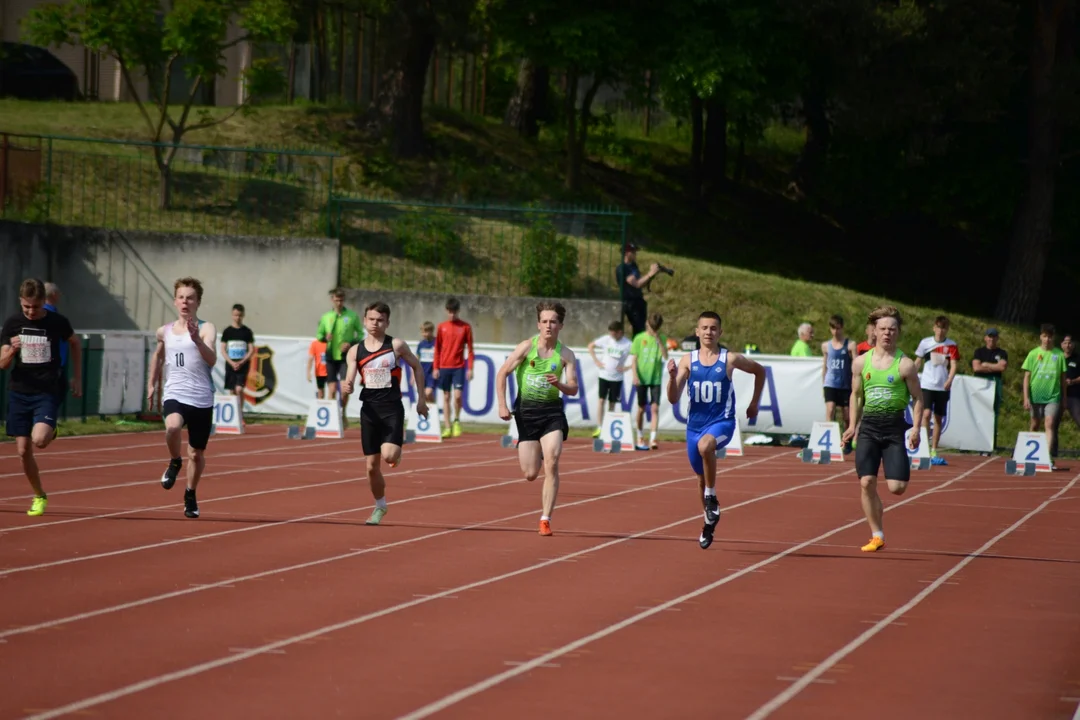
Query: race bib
point(35, 350)
point(427, 355)
point(236, 349)
point(377, 378)
point(938, 359)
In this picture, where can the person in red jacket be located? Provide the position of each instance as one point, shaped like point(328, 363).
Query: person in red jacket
point(451, 367)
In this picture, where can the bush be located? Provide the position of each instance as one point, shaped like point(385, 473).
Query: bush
point(548, 261)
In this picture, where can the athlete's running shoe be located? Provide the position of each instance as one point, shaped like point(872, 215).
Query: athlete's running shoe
point(191, 505)
point(874, 545)
point(37, 507)
point(456, 428)
point(376, 516)
point(712, 510)
point(168, 478)
point(545, 527)
point(706, 535)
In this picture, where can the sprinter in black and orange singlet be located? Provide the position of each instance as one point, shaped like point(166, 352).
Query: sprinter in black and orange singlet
point(382, 415)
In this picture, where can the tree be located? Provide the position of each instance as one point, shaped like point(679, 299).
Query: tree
point(149, 43)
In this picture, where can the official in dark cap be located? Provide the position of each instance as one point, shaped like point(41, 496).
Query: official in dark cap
point(990, 362)
point(631, 282)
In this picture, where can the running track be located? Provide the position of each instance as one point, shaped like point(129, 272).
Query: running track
point(280, 603)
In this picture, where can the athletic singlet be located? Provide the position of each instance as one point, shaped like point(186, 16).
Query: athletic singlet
point(885, 393)
point(379, 373)
point(710, 392)
point(187, 376)
point(533, 387)
point(838, 367)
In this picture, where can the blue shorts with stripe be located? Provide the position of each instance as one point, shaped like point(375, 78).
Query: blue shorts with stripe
point(722, 430)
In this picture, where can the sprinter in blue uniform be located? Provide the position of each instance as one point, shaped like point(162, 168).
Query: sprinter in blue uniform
point(710, 420)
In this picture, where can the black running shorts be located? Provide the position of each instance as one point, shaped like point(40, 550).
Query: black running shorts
point(840, 396)
point(882, 441)
point(199, 421)
point(536, 421)
point(381, 424)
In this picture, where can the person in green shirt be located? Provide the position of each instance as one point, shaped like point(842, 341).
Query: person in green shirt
point(1044, 386)
point(883, 381)
point(340, 329)
point(649, 352)
point(801, 348)
point(538, 365)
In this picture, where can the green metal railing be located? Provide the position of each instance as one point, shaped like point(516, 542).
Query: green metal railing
point(551, 251)
point(208, 189)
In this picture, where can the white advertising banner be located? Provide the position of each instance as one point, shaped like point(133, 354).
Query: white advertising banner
point(791, 400)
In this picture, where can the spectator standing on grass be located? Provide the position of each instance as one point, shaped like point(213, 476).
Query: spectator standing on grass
point(936, 360)
point(340, 329)
point(801, 348)
point(649, 352)
point(614, 350)
point(631, 282)
point(990, 362)
point(1072, 378)
point(1044, 387)
point(451, 367)
point(237, 345)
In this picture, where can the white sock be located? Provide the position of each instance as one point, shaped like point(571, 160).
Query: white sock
point(879, 534)
point(545, 517)
point(710, 492)
point(652, 436)
point(381, 502)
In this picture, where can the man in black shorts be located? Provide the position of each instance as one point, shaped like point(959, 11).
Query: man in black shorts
point(237, 345)
point(614, 349)
point(382, 415)
point(539, 364)
point(883, 381)
point(30, 346)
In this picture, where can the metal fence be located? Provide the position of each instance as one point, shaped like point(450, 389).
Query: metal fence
point(479, 249)
point(207, 189)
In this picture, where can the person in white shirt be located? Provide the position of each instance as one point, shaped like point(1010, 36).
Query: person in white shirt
point(936, 361)
point(185, 349)
point(614, 349)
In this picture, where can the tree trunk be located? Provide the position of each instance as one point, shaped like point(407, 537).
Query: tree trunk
point(164, 179)
point(584, 117)
point(697, 142)
point(573, 181)
point(1033, 227)
point(811, 160)
point(714, 170)
point(528, 104)
point(400, 100)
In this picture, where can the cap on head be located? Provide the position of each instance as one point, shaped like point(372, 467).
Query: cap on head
point(631, 247)
point(992, 331)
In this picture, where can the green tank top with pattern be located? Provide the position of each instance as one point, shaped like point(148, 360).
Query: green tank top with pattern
point(533, 387)
point(884, 391)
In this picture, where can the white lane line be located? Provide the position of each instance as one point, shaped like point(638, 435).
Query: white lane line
point(261, 468)
point(230, 582)
point(477, 688)
point(306, 637)
point(825, 665)
point(318, 516)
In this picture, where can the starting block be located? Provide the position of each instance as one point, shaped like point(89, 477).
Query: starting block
point(297, 433)
point(510, 439)
point(617, 426)
point(734, 446)
point(823, 438)
point(1031, 450)
point(227, 415)
point(920, 459)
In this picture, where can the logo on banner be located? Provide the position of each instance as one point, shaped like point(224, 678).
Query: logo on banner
point(262, 378)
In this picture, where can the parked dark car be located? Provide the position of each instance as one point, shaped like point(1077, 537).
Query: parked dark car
point(28, 72)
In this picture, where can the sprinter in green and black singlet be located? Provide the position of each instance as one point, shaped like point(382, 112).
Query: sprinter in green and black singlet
point(539, 365)
point(883, 380)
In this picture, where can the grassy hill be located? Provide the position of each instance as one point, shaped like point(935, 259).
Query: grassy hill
point(764, 263)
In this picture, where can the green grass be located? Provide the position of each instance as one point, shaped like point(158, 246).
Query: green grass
point(762, 261)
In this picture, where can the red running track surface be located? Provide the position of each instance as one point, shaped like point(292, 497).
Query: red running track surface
point(280, 603)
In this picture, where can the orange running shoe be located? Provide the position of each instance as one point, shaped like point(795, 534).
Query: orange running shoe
point(874, 545)
point(545, 527)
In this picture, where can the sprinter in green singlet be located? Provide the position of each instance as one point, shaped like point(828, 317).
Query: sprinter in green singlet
point(883, 380)
point(538, 410)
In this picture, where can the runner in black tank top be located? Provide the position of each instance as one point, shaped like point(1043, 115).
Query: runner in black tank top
point(382, 414)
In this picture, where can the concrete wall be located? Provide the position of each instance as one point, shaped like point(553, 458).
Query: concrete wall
point(494, 319)
point(120, 280)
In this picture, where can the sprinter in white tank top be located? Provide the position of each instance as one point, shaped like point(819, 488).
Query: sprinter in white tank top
point(185, 349)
